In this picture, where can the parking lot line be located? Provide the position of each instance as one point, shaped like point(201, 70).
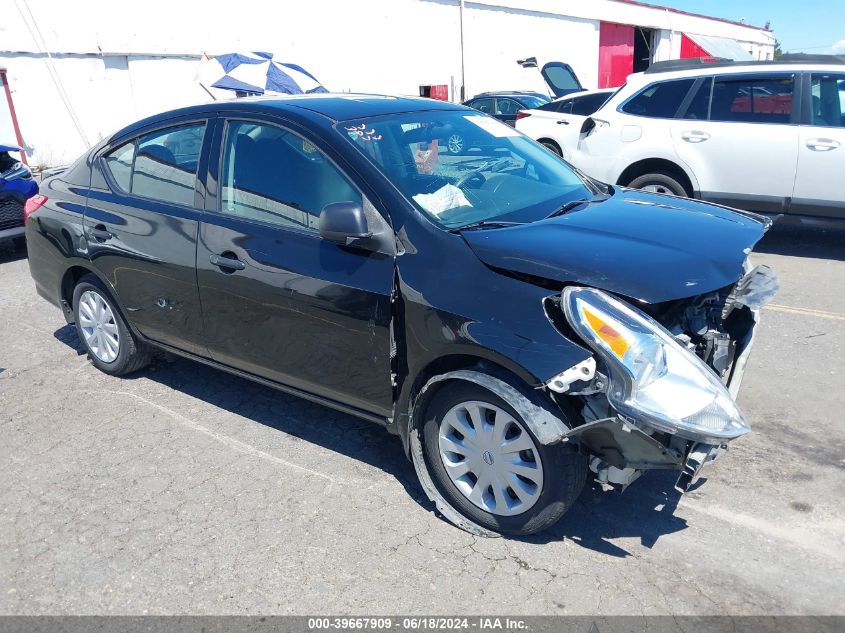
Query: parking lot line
point(822, 314)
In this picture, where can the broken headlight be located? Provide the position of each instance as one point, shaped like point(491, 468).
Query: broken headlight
point(653, 378)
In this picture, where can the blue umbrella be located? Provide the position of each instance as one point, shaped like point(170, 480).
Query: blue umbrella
point(256, 73)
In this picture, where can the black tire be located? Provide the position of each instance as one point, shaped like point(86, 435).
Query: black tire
point(19, 243)
point(132, 354)
point(663, 181)
point(553, 147)
point(564, 468)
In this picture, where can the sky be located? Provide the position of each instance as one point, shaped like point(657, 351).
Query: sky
point(811, 26)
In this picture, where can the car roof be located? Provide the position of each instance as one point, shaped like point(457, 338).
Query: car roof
point(677, 69)
point(509, 93)
point(336, 107)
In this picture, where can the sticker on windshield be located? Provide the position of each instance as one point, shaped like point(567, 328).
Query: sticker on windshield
point(362, 133)
point(491, 126)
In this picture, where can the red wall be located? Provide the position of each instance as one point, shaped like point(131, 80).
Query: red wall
point(691, 49)
point(616, 54)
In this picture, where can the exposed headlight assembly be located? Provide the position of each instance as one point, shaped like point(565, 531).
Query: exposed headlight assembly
point(653, 378)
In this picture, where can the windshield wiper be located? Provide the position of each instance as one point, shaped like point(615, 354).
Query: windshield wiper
point(484, 224)
point(566, 207)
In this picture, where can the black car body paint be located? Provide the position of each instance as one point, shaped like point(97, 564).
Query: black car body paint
point(363, 330)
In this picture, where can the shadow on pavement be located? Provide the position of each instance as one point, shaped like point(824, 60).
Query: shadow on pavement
point(644, 511)
point(11, 252)
point(804, 241)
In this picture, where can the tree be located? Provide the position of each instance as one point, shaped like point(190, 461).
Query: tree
point(778, 51)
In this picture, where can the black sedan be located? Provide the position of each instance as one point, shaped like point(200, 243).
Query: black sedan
point(514, 322)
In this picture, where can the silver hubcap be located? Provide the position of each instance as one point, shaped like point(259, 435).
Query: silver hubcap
point(98, 326)
point(490, 458)
point(657, 189)
point(455, 143)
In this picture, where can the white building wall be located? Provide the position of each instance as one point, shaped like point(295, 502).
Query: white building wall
point(120, 61)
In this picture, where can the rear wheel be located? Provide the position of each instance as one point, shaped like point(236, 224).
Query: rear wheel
point(553, 147)
point(111, 347)
point(660, 182)
point(489, 466)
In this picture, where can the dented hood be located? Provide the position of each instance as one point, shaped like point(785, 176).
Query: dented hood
point(648, 247)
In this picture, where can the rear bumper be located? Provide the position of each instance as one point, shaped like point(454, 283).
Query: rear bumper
point(18, 231)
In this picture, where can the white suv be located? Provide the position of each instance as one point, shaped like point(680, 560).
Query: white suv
point(765, 136)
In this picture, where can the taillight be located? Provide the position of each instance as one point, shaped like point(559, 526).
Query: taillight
point(521, 114)
point(32, 205)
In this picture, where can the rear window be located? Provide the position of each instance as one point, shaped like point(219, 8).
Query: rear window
point(660, 100)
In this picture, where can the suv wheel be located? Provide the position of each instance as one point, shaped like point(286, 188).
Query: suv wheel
point(660, 182)
point(485, 461)
point(111, 347)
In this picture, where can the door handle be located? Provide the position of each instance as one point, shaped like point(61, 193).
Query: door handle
point(563, 122)
point(231, 263)
point(100, 233)
point(695, 136)
point(822, 144)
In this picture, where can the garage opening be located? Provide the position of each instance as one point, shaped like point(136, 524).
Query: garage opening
point(644, 45)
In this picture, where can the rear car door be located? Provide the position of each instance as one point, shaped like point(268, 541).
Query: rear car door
point(278, 301)
point(820, 178)
point(738, 135)
point(141, 227)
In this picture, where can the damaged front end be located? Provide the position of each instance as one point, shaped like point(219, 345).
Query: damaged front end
point(660, 391)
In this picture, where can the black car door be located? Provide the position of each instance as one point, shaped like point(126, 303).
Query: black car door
point(141, 227)
point(278, 301)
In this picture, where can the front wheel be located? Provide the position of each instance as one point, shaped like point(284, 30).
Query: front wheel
point(488, 465)
point(660, 182)
point(112, 348)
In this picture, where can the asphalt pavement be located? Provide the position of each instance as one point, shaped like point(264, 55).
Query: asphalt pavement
point(184, 490)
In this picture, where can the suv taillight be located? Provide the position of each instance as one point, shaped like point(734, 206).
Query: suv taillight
point(521, 114)
point(32, 205)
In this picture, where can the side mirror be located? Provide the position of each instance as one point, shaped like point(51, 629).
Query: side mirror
point(344, 223)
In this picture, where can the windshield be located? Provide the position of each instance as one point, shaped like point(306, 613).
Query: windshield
point(461, 168)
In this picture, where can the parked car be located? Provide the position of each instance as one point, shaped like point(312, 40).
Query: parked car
point(762, 136)
point(16, 187)
point(500, 105)
point(557, 124)
point(515, 323)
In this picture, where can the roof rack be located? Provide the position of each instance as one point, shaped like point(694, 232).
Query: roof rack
point(718, 62)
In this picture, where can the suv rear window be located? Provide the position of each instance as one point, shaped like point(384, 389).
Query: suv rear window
point(660, 100)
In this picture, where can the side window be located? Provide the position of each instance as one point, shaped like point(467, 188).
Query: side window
point(752, 100)
point(827, 100)
point(557, 106)
point(699, 106)
point(119, 163)
point(586, 105)
point(565, 107)
point(165, 166)
point(272, 175)
point(507, 106)
point(483, 105)
point(660, 100)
